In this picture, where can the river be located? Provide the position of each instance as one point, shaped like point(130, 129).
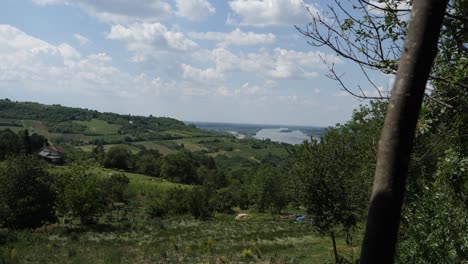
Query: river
point(282, 135)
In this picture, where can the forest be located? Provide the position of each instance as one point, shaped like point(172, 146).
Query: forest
point(137, 189)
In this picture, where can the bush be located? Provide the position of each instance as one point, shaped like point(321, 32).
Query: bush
point(174, 201)
point(82, 194)
point(115, 188)
point(118, 158)
point(26, 196)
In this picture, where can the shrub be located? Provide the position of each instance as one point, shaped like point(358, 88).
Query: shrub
point(26, 196)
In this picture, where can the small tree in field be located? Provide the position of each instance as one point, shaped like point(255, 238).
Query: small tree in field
point(333, 192)
point(26, 196)
point(82, 194)
point(270, 190)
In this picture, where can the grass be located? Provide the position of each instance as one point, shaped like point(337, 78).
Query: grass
point(36, 127)
point(99, 127)
point(187, 133)
point(153, 145)
point(143, 184)
point(178, 240)
point(107, 138)
point(190, 145)
point(89, 148)
point(12, 128)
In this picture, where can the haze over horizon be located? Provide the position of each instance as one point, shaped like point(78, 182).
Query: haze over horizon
point(195, 60)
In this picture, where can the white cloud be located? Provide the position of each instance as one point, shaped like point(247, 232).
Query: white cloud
point(119, 11)
point(34, 64)
point(236, 37)
point(82, 40)
point(190, 72)
point(194, 10)
point(68, 52)
point(149, 39)
point(278, 63)
point(269, 12)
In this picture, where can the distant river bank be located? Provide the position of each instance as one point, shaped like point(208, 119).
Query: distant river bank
point(282, 135)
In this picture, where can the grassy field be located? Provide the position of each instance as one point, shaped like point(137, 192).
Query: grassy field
point(153, 145)
point(12, 128)
point(38, 127)
point(99, 127)
point(177, 240)
point(142, 184)
point(190, 145)
point(89, 148)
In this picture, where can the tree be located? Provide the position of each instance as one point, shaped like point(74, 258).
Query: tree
point(434, 223)
point(179, 167)
point(371, 34)
point(270, 190)
point(333, 189)
point(27, 199)
point(149, 162)
point(119, 158)
point(115, 188)
point(9, 143)
point(99, 151)
point(396, 142)
point(82, 194)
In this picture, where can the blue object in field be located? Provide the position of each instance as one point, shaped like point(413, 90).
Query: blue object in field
point(300, 218)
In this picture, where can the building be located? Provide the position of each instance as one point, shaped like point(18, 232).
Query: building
point(55, 155)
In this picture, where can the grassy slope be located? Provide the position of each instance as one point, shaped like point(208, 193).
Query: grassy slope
point(99, 127)
point(176, 240)
point(180, 240)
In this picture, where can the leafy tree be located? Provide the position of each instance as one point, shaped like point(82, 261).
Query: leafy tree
point(333, 189)
point(119, 158)
point(82, 194)
point(371, 35)
point(179, 167)
point(99, 151)
point(200, 207)
point(115, 188)
point(27, 198)
point(9, 143)
point(149, 162)
point(270, 190)
point(434, 223)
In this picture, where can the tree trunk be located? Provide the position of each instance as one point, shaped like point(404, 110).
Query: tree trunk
point(335, 252)
point(396, 142)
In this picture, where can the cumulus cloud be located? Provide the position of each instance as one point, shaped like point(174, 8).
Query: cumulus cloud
point(82, 40)
point(119, 11)
point(190, 72)
point(278, 63)
point(237, 37)
point(194, 10)
point(35, 64)
point(269, 12)
point(148, 39)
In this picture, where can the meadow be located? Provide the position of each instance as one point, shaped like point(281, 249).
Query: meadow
point(175, 240)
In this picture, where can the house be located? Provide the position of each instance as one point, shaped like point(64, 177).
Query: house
point(55, 155)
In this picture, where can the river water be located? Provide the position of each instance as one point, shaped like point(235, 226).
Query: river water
point(279, 135)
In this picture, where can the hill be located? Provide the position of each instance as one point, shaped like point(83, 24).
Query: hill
point(85, 128)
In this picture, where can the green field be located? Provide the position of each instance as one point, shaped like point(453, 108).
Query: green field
point(12, 128)
point(99, 127)
point(135, 238)
point(152, 145)
point(89, 148)
point(178, 240)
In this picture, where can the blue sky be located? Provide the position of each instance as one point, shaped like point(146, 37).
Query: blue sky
point(199, 60)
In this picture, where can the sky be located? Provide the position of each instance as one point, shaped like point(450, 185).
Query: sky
point(239, 61)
